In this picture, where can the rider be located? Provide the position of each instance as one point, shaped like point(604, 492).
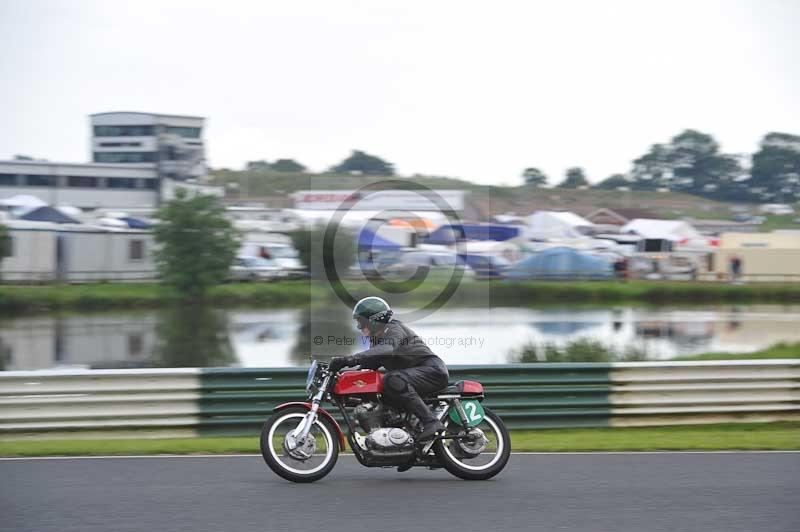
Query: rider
point(411, 366)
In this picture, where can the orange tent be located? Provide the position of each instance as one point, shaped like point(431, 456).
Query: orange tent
point(413, 223)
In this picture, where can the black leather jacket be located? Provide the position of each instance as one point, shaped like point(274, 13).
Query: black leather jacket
point(396, 347)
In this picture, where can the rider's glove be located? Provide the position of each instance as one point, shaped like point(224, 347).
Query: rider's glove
point(338, 363)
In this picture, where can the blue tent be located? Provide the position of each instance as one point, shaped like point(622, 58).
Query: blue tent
point(448, 234)
point(135, 223)
point(48, 214)
point(369, 241)
point(560, 263)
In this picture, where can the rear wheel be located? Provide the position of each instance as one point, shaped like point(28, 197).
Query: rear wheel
point(479, 453)
point(307, 461)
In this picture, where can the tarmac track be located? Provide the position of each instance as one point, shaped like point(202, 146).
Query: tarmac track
point(617, 492)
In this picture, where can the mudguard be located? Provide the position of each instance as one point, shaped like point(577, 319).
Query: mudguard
point(320, 411)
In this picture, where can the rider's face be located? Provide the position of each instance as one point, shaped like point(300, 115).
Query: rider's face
point(362, 324)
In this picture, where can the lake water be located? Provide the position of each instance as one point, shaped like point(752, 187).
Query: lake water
point(200, 337)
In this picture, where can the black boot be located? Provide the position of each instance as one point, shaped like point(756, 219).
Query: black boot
point(429, 429)
point(430, 425)
point(408, 465)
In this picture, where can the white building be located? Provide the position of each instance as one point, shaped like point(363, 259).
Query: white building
point(384, 200)
point(139, 160)
point(88, 186)
point(173, 143)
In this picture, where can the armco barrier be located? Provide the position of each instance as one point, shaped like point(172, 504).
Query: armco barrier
point(237, 400)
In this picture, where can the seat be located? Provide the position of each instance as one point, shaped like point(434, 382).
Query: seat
point(452, 388)
point(460, 388)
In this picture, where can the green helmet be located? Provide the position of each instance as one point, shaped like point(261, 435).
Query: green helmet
point(372, 312)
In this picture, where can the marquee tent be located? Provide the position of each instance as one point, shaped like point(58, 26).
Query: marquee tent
point(560, 263)
point(549, 225)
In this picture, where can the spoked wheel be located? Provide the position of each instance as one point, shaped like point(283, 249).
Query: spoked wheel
point(479, 453)
point(299, 461)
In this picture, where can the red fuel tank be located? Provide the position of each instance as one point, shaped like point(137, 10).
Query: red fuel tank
point(363, 381)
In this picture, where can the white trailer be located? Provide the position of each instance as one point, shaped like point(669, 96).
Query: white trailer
point(43, 251)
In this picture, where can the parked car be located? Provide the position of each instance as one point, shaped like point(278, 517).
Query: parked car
point(286, 257)
point(486, 266)
point(373, 265)
point(283, 255)
point(256, 269)
point(427, 264)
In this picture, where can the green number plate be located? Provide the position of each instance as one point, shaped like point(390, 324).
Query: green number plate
point(474, 412)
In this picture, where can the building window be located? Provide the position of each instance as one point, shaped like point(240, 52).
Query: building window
point(9, 180)
point(124, 157)
point(120, 144)
point(11, 246)
point(121, 182)
point(135, 250)
point(169, 153)
point(123, 131)
point(82, 181)
point(135, 344)
point(151, 184)
point(186, 132)
point(41, 180)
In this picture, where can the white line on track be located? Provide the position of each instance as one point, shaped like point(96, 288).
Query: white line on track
point(543, 453)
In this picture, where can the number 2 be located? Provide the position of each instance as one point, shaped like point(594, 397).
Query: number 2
point(472, 414)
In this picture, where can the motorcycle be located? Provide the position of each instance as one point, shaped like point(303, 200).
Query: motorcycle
point(301, 441)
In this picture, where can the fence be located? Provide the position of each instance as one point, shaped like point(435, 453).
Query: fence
point(236, 400)
point(76, 276)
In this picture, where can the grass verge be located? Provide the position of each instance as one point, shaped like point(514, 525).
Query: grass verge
point(780, 351)
point(107, 296)
point(732, 436)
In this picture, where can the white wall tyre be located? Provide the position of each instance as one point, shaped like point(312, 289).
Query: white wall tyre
point(484, 466)
point(325, 448)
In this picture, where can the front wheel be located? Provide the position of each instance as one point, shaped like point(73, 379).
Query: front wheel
point(307, 460)
point(479, 453)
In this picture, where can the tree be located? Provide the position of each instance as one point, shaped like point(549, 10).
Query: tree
point(574, 178)
point(776, 167)
point(287, 165)
point(613, 182)
point(252, 166)
point(691, 162)
point(309, 244)
point(197, 243)
point(5, 245)
point(653, 169)
point(534, 177)
point(5, 242)
point(358, 161)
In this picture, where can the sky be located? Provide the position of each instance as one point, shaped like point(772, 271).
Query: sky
point(477, 90)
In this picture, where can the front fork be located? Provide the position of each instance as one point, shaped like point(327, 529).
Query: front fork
point(298, 436)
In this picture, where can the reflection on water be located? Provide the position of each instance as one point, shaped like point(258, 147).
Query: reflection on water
point(198, 336)
point(190, 336)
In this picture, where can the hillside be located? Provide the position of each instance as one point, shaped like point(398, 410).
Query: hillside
point(273, 189)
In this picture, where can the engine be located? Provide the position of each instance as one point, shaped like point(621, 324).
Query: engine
point(369, 416)
point(383, 426)
point(388, 439)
